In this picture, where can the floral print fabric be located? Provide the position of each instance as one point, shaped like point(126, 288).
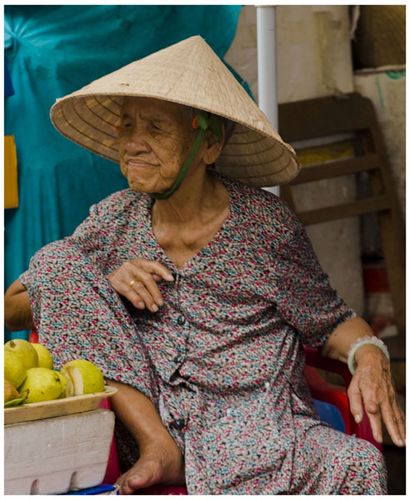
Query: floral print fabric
point(222, 360)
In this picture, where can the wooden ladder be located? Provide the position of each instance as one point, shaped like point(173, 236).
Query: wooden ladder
point(355, 115)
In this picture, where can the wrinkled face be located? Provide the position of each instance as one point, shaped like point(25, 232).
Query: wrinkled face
point(154, 141)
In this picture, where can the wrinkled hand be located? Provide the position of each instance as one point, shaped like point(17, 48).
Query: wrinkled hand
point(372, 390)
point(137, 280)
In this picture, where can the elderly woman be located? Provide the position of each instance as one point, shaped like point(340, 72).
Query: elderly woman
point(195, 293)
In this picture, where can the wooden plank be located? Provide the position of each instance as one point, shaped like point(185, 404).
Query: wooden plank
point(56, 407)
point(323, 116)
point(326, 214)
point(337, 168)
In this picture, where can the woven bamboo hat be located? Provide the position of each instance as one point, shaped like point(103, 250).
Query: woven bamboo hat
point(191, 74)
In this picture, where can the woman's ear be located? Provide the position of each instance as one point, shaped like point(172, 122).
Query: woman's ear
point(214, 146)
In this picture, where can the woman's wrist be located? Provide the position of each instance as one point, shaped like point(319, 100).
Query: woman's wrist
point(366, 352)
point(365, 349)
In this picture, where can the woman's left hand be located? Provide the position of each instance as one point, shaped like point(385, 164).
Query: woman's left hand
point(372, 390)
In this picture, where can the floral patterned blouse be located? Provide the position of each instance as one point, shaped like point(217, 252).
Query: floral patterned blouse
point(223, 358)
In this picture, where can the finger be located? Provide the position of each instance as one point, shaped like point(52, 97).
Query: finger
point(390, 421)
point(146, 297)
point(372, 408)
point(135, 299)
point(400, 419)
point(121, 284)
point(152, 288)
point(134, 279)
point(375, 424)
point(398, 412)
point(157, 268)
point(355, 400)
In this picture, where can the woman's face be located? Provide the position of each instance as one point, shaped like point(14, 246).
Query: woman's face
point(154, 141)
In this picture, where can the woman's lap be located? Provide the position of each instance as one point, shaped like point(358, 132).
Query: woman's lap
point(331, 462)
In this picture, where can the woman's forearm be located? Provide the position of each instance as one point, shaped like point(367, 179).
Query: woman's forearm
point(338, 344)
point(17, 308)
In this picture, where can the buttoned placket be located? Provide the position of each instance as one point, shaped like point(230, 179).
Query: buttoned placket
point(181, 322)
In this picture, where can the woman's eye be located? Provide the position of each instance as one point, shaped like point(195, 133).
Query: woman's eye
point(155, 126)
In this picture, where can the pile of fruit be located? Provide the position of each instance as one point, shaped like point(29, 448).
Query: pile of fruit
point(29, 376)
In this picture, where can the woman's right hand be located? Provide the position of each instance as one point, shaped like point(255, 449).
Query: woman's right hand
point(137, 280)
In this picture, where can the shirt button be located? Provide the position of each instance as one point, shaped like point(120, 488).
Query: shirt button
point(179, 424)
point(181, 320)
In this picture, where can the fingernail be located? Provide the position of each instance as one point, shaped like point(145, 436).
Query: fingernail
point(170, 277)
point(155, 308)
point(160, 302)
point(357, 419)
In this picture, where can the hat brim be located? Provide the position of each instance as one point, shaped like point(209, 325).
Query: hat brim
point(250, 156)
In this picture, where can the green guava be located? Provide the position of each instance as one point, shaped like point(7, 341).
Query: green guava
point(24, 350)
point(42, 384)
point(83, 377)
point(45, 359)
point(14, 370)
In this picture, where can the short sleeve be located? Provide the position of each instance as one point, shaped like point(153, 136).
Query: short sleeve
point(76, 311)
point(304, 296)
point(85, 239)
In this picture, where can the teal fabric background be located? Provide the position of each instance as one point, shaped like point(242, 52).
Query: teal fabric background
point(52, 51)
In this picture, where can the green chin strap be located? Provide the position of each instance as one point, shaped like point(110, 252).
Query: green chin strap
point(204, 123)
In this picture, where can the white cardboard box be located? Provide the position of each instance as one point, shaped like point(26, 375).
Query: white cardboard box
point(59, 454)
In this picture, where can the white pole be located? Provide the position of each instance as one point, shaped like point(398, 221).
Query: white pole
point(266, 47)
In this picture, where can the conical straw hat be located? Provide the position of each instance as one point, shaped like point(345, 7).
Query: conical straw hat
point(187, 73)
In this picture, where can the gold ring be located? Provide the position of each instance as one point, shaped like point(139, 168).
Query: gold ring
point(132, 282)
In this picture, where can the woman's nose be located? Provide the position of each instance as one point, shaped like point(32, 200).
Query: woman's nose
point(137, 143)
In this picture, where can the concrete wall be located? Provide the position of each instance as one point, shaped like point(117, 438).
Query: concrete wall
point(313, 53)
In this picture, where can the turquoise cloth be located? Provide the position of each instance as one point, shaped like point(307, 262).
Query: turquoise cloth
point(52, 51)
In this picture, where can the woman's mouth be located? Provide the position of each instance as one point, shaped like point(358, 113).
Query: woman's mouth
point(139, 164)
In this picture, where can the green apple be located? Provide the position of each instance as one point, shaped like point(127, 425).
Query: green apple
point(14, 370)
point(83, 377)
point(42, 384)
point(45, 359)
point(24, 350)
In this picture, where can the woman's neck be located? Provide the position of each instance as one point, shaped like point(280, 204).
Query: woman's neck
point(198, 196)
